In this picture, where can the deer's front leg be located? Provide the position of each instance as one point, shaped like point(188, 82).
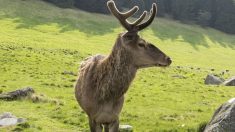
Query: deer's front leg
point(95, 127)
point(114, 126)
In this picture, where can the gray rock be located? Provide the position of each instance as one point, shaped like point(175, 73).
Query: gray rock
point(213, 80)
point(223, 119)
point(125, 128)
point(230, 82)
point(179, 76)
point(7, 119)
point(17, 94)
point(69, 73)
point(7, 115)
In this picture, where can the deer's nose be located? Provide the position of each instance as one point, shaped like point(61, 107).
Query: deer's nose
point(168, 59)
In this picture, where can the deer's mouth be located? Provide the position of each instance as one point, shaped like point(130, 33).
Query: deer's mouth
point(152, 65)
point(162, 65)
point(166, 63)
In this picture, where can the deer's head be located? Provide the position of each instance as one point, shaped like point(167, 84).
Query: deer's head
point(144, 54)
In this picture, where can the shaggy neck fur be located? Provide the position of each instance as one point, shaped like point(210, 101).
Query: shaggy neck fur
point(116, 73)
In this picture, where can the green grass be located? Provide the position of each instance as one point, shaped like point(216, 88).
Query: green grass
point(39, 41)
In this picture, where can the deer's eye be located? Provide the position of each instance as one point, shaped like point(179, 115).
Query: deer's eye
point(141, 45)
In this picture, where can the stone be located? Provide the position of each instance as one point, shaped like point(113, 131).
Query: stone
point(69, 73)
point(17, 94)
point(7, 119)
point(6, 115)
point(178, 67)
point(213, 80)
point(178, 76)
point(125, 128)
point(223, 119)
point(230, 82)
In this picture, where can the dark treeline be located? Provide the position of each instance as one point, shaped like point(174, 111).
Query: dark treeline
point(219, 14)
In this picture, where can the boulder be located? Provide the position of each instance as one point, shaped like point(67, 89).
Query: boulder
point(7, 119)
point(230, 82)
point(125, 128)
point(213, 80)
point(223, 119)
point(17, 94)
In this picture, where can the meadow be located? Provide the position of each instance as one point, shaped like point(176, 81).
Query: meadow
point(41, 43)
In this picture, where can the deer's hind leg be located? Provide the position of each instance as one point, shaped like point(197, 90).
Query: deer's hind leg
point(94, 126)
point(106, 127)
point(114, 126)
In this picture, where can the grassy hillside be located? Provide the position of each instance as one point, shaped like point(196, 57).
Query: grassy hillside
point(39, 42)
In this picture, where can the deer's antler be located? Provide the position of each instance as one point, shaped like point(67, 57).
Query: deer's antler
point(135, 26)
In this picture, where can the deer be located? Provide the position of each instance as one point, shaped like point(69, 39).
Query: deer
point(104, 80)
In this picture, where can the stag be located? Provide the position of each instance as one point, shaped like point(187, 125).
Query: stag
point(103, 80)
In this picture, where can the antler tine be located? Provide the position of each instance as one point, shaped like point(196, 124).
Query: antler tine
point(122, 16)
point(135, 26)
point(140, 19)
point(131, 12)
point(153, 13)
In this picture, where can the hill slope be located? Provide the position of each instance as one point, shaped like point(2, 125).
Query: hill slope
point(39, 42)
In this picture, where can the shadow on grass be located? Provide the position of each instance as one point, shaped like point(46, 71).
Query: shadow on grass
point(192, 36)
point(86, 24)
point(90, 27)
point(95, 24)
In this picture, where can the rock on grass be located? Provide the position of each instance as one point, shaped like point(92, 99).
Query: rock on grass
point(125, 128)
point(230, 82)
point(7, 119)
point(223, 119)
point(17, 94)
point(213, 80)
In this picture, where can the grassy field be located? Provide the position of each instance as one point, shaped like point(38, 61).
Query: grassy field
point(40, 42)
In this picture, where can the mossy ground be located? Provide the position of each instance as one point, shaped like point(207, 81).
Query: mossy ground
point(39, 42)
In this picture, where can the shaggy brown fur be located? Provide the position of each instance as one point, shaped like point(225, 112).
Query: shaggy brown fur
point(110, 76)
point(102, 84)
point(103, 80)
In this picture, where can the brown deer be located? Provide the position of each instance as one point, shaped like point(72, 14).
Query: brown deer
point(104, 80)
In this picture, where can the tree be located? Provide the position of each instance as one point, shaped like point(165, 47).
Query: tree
point(219, 14)
point(62, 3)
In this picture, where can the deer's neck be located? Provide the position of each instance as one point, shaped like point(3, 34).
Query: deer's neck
point(120, 62)
point(118, 74)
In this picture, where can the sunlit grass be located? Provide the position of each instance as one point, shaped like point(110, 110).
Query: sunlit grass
point(38, 42)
